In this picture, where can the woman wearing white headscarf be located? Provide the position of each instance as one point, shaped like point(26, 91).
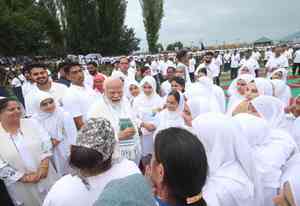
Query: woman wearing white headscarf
point(257, 87)
point(281, 74)
point(264, 141)
point(171, 116)
point(147, 105)
point(60, 127)
point(132, 91)
point(232, 179)
point(290, 185)
point(282, 91)
point(237, 90)
point(204, 88)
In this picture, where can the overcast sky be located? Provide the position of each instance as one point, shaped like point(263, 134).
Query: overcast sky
point(216, 21)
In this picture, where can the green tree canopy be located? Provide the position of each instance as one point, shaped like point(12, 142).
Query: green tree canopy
point(153, 13)
point(173, 46)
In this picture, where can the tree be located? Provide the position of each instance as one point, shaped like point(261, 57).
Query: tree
point(128, 42)
point(152, 14)
point(27, 28)
point(160, 47)
point(173, 46)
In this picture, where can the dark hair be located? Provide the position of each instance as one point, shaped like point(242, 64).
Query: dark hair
point(181, 54)
point(176, 95)
point(202, 70)
point(93, 63)
point(88, 159)
point(68, 67)
point(209, 53)
point(144, 69)
point(185, 164)
point(180, 81)
point(4, 102)
point(30, 67)
point(62, 65)
point(144, 162)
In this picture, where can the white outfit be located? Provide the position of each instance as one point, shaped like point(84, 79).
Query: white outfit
point(18, 81)
point(205, 88)
point(198, 105)
point(70, 190)
point(146, 109)
point(291, 175)
point(79, 100)
point(57, 90)
point(232, 179)
point(212, 69)
point(60, 126)
point(127, 91)
point(251, 64)
point(297, 56)
point(235, 98)
point(22, 154)
point(276, 63)
point(192, 64)
point(282, 91)
point(264, 86)
point(165, 88)
point(264, 141)
point(186, 72)
point(283, 71)
point(168, 118)
point(119, 115)
point(235, 60)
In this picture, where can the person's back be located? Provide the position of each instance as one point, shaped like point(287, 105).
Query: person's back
point(69, 187)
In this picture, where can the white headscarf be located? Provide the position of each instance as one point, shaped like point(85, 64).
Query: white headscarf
point(204, 88)
point(172, 118)
point(235, 97)
point(151, 81)
point(282, 91)
point(291, 175)
point(198, 105)
point(271, 109)
point(264, 86)
point(283, 71)
point(128, 93)
point(231, 168)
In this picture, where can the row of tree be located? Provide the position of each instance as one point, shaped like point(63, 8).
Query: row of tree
point(57, 27)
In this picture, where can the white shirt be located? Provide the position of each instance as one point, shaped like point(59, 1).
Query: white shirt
point(166, 87)
point(235, 60)
point(297, 56)
point(163, 66)
point(70, 190)
point(192, 64)
point(78, 100)
point(18, 81)
point(212, 69)
point(154, 68)
point(256, 55)
point(57, 91)
point(277, 62)
point(251, 64)
point(268, 55)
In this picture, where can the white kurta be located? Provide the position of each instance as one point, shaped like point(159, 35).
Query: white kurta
point(70, 190)
point(146, 108)
point(22, 154)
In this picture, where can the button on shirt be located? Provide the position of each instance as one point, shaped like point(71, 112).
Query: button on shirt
point(78, 100)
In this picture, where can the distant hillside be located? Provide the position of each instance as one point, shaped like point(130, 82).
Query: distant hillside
point(292, 37)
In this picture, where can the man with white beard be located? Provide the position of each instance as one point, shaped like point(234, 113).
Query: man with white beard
point(113, 108)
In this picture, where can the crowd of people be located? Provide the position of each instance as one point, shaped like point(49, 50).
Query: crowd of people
point(161, 133)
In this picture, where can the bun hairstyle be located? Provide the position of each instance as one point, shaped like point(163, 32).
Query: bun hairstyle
point(185, 165)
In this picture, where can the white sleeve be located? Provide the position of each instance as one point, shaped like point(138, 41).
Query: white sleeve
point(8, 174)
point(71, 105)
